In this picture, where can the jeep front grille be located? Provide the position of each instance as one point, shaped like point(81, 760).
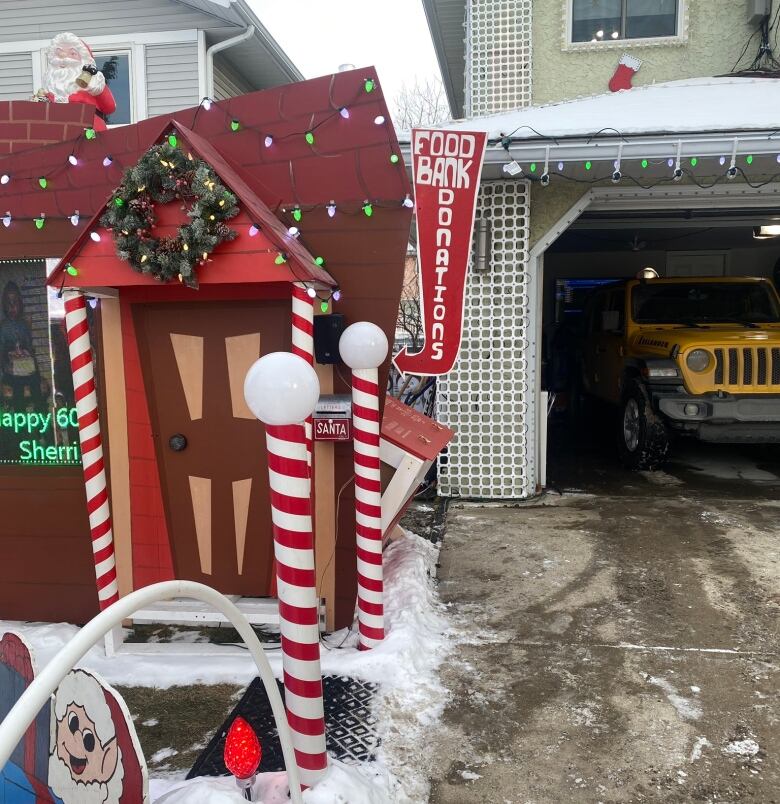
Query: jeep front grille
point(756, 367)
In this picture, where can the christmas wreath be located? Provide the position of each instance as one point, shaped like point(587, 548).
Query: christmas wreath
point(164, 174)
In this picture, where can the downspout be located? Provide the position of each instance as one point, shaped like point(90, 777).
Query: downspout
point(219, 46)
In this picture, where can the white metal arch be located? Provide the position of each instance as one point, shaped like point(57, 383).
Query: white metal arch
point(39, 691)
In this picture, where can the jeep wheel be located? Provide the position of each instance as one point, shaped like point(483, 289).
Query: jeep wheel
point(642, 438)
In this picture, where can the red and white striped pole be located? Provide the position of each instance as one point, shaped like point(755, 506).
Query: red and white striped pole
point(363, 347)
point(303, 341)
point(83, 371)
point(282, 390)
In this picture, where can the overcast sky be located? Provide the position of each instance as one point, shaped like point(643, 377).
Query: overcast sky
point(319, 35)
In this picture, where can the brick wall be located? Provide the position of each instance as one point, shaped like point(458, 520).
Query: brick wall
point(25, 124)
point(152, 560)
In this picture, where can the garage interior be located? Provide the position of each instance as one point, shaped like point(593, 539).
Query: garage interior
point(600, 247)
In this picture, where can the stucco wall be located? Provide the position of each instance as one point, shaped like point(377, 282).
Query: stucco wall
point(717, 31)
point(548, 204)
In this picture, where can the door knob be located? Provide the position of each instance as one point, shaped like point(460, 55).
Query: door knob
point(177, 442)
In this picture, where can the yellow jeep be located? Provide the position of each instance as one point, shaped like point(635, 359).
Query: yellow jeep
point(696, 356)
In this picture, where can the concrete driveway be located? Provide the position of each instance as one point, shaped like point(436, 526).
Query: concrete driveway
point(621, 638)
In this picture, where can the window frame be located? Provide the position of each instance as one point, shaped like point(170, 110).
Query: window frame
point(679, 38)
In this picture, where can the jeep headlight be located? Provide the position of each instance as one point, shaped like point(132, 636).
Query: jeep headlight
point(698, 360)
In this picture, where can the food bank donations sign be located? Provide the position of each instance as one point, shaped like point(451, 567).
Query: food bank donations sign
point(446, 166)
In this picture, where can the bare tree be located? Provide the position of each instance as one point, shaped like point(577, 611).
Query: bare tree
point(420, 104)
point(409, 324)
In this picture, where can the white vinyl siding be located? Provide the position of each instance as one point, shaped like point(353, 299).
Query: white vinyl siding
point(24, 20)
point(171, 77)
point(227, 84)
point(17, 83)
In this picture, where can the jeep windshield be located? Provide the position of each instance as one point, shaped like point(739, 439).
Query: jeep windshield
point(693, 303)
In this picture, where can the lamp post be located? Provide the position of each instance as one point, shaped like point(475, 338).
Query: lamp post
point(282, 390)
point(363, 347)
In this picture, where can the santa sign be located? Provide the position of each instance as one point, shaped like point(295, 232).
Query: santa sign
point(446, 166)
point(72, 76)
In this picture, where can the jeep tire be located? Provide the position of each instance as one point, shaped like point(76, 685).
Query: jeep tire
point(643, 441)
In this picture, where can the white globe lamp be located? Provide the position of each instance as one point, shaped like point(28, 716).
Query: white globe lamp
point(363, 345)
point(281, 388)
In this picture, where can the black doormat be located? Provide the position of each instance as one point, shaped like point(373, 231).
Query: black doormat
point(350, 728)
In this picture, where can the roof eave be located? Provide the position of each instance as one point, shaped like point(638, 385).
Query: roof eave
point(431, 14)
point(262, 34)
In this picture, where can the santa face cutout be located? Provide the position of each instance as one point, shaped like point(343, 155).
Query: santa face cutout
point(86, 763)
point(79, 747)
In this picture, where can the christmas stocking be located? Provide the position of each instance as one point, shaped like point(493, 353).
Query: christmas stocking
point(627, 67)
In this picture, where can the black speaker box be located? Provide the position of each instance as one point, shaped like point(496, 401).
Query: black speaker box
point(327, 331)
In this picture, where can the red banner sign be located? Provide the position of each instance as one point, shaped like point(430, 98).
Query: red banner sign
point(446, 166)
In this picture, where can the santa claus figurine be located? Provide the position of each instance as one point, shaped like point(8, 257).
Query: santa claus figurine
point(73, 77)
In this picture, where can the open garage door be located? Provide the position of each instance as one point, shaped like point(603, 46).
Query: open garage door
point(708, 258)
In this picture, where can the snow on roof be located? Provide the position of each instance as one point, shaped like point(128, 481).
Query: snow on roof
point(678, 107)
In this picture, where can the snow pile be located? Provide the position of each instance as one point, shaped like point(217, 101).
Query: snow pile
point(343, 783)
point(405, 665)
point(742, 748)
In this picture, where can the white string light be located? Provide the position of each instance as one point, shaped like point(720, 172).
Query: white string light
point(75, 218)
point(7, 219)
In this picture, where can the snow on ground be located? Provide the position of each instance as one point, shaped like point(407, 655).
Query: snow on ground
point(405, 666)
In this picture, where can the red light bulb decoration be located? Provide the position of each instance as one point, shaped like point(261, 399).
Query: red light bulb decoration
point(242, 754)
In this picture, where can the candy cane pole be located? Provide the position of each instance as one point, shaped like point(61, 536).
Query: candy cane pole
point(303, 339)
point(282, 389)
point(98, 509)
point(363, 347)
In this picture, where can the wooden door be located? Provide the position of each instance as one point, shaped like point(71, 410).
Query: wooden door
point(210, 448)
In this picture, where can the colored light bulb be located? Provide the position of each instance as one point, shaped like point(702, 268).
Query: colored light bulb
point(310, 137)
point(90, 133)
point(120, 202)
point(297, 214)
point(72, 270)
point(369, 84)
point(588, 165)
point(368, 209)
point(173, 140)
point(324, 306)
point(242, 753)
point(39, 222)
point(694, 161)
point(319, 260)
point(281, 258)
point(394, 159)
point(253, 230)
point(235, 125)
point(749, 159)
point(532, 167)
point(43, 182)
point(344, 112)
point(645, 163)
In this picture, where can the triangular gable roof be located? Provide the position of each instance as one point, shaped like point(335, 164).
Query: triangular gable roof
point(300, 265)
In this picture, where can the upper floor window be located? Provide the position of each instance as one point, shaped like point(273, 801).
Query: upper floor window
point(613, 20)
point(115, 66)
